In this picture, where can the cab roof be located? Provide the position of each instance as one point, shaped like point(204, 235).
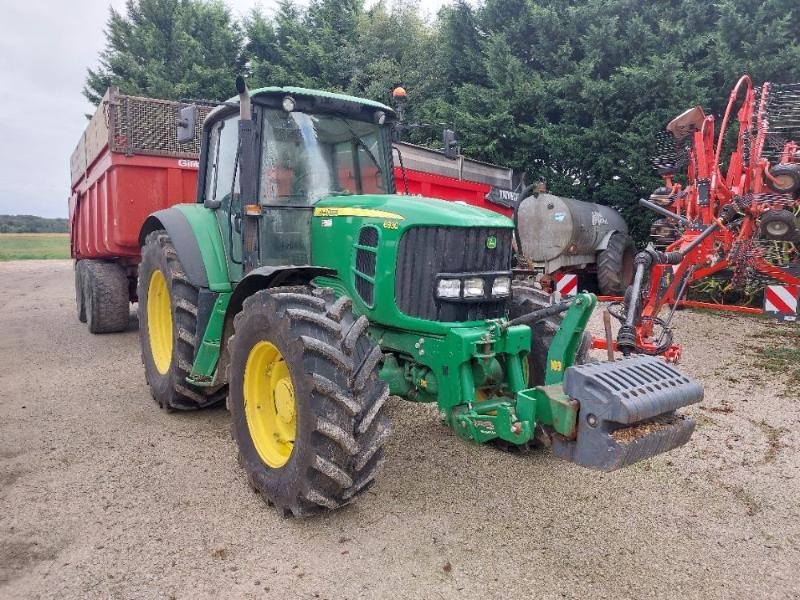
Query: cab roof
point(308, 93)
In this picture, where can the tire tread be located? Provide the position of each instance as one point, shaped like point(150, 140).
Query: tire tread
point(338, 364)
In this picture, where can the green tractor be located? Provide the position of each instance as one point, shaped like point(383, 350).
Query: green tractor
point(305, 291)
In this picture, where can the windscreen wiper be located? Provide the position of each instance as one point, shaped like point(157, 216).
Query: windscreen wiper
point(362, 144)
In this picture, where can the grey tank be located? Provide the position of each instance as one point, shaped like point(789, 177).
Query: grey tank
point(558, 232)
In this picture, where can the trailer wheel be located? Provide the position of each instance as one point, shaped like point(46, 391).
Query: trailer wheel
point(105, 296)
point(80, 299)
point(307, 407)
point(525, 299)
point(615, 265)
point(167, 312)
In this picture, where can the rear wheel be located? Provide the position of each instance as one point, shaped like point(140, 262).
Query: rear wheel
point(306, 403)
point(167, 327)
point(105, 296)
point(615, 265)
point(526, 299)
point(80, 268)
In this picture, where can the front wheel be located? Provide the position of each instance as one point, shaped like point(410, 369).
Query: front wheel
point(306, 403)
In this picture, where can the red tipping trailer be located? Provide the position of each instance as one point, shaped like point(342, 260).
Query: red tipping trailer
point(429, 173)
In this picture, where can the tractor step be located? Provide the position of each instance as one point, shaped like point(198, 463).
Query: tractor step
point(627, 411)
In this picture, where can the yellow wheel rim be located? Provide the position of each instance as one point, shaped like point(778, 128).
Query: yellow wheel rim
point(269, 404)
point(159, 321)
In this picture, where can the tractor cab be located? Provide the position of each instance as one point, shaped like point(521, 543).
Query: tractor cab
point(281, 150)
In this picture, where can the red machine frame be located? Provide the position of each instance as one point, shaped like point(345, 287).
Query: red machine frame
point(721, 213)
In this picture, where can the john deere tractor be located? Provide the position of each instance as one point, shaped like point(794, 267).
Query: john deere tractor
point(303, 289)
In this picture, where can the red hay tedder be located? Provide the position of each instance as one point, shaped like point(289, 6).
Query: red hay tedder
point(738, 219)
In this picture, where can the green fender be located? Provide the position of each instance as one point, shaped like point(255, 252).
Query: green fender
point(194, 233)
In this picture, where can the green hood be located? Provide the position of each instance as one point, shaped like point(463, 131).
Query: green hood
point(414, 209)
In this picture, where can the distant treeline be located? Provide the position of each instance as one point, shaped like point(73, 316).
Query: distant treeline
point(31, 224)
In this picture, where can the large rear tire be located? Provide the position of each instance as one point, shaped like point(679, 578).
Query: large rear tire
point(525, 299)
point(306, 402)
point(105, 296)
point(167, 327)
point(615, 265)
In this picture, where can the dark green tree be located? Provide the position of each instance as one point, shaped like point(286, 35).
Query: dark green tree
point(276, 48)
point(169, 49)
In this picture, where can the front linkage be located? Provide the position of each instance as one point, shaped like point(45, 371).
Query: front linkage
point(601, 415)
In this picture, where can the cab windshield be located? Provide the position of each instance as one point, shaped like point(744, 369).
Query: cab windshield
point(306, 157)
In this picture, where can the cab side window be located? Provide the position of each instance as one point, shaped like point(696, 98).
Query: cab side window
point(222, 170)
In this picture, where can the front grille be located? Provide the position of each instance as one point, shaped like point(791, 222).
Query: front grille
point(365, 263)
point(368, 236)
point(365, 289)
point(426, 251)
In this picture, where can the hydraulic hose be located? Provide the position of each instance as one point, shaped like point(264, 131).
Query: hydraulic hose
point(540, 314)
point(402, 168)
point(644, 261)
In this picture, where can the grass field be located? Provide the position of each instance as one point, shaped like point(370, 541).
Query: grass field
point(22, 246)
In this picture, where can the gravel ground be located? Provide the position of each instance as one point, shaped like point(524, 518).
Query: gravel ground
point(104, 495)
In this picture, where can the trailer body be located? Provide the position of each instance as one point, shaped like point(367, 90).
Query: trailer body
point(429, 173)
point(126, 165)
point(111, 202)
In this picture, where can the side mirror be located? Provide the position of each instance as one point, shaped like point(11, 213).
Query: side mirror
point(450, 144)
point(187, 121)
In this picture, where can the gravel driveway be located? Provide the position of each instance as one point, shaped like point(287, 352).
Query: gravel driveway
point(103, 495)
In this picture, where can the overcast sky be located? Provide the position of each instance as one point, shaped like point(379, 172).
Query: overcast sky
point(45, 48)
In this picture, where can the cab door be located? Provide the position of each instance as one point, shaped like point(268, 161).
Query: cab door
point(223, 189)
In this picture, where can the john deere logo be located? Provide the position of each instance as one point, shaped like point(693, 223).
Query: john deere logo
point(491, 242)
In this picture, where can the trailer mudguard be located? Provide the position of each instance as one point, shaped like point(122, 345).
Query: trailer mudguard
point(194, 233)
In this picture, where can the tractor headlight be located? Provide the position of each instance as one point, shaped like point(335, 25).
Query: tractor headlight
point(288, 104)
point(501, 286)
point(380, 117)
point(449, 288)
point(473, 287)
